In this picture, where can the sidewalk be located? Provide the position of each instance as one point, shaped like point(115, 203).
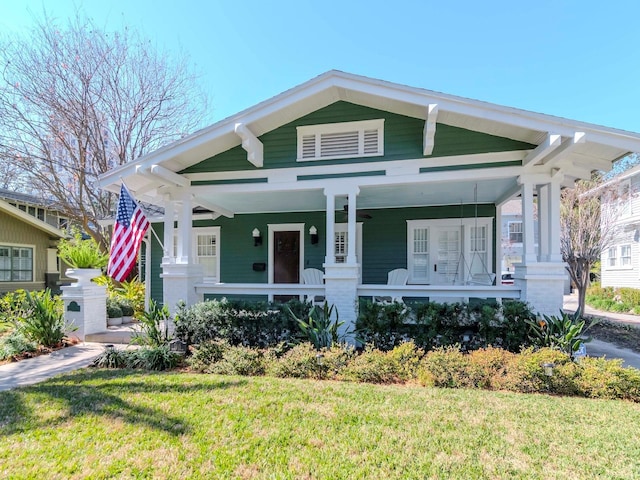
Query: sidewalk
point(38, 369)
point(597, 348)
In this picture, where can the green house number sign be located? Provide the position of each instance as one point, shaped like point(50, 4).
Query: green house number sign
point(73, 307)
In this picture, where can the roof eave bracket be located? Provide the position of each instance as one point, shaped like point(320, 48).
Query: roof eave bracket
point(253, 146)
point(430, 129)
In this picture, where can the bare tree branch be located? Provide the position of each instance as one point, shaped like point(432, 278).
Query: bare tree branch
point(76, 101)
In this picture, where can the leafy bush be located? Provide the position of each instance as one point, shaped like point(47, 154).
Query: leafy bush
point(252, 324)
point(239, 360)
point(372, 366)
point(431, 325)
point(447, 367)
point(15, 344)
point(303, 361)
point(44, 321)
point(601, 378)
point(611, 299)
point(12, 307)
point(406, 359)
point(113, 308)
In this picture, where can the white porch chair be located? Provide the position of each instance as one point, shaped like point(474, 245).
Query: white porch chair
point(398, 276)
point(313, 276)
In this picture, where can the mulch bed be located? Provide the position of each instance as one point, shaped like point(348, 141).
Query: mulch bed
point(40, 351)
point(621, 334)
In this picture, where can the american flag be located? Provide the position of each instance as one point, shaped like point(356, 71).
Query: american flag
point(131, 225)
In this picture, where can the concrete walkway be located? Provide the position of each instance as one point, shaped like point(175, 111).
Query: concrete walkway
point(597, 348)
point(38, 369)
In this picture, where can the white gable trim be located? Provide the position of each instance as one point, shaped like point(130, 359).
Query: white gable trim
point(253, 146)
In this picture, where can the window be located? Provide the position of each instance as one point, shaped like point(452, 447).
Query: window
point(206, 251)
point(341, 247)
point(419, 252)
point(16, 264)
point(625, 255)
point(612, 256)
point(515, 232)
point(341, 140)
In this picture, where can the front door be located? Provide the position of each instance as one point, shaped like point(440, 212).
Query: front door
point(447, 248)
point(286, 260)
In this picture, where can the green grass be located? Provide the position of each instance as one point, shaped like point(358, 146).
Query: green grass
point(124, 424)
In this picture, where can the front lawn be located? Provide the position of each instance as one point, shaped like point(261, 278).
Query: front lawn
point(125, 424)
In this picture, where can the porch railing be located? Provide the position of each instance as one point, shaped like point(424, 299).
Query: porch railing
point(498, 292)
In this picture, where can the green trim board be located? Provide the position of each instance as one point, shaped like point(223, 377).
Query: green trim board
point(374, 173)
point(233, 181)
point(474, 166)
point(403, 140)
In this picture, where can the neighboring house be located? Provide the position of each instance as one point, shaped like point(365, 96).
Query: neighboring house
point(41, 209)
point(620, 262)
point(410, 178)
point(28, 253)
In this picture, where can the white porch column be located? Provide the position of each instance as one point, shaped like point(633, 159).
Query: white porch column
point(341, 279)
point(499, 261)
point(169, 218)
point(555, 254)
point(180, 277)
point(542, 282)
point(330, 258)
point(543, 223)
point(185, 225)
point(528, 245)
point(351, 227)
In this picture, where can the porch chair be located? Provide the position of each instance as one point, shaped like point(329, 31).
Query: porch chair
point(399, 276)
point(313, 276)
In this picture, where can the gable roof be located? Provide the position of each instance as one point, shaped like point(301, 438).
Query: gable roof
point(599, 148)
point(30, 220)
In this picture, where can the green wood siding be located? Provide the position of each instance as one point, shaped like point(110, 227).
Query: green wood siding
point(14, 232)
point(384, 239)
point(155, 289)
point(403, 137)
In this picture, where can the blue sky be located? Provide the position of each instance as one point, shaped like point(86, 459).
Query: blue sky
point(575, 59)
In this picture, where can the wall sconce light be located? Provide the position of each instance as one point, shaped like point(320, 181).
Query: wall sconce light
point(313, 231)
point(257, 237)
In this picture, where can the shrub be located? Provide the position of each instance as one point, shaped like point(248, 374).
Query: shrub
point(44, 321)
point(524, 372)
point(113, 358)
point(601, 378)
point(373, 366)
point(206, 354)
point(126, 307)
point(113, 309)
point(406, 359)
point(252, 324)
point(239, 360)
point(430, 325)
point(12, 307)
point(302, 362)
point(15, 344)
point(154, 358)
point(447, 367)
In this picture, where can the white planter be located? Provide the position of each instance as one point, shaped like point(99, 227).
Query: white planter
point(113, 322)
point(83, 275)
point(127, 319)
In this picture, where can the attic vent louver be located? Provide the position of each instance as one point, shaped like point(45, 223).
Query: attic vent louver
point(341, 140)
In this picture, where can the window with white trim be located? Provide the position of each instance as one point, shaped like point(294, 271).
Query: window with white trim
point(613, 259)
point(205, 250)
point(16, 264)
point(625, 255)
point(515, 232)
point(341, 140)
point(341, 243)
point(419, 253)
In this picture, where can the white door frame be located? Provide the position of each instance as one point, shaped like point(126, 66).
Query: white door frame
point(285, 227)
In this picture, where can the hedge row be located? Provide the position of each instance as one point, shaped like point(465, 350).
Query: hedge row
point(486, 368)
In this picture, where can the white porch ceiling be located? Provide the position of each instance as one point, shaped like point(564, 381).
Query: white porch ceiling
point(370, 197)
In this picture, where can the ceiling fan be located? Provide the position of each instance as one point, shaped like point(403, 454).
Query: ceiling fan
point(359, 213)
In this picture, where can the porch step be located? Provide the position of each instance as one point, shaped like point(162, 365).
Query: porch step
point(118, 334)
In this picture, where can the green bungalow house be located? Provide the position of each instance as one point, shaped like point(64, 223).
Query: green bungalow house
point(28, 252)
point(358, 177)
